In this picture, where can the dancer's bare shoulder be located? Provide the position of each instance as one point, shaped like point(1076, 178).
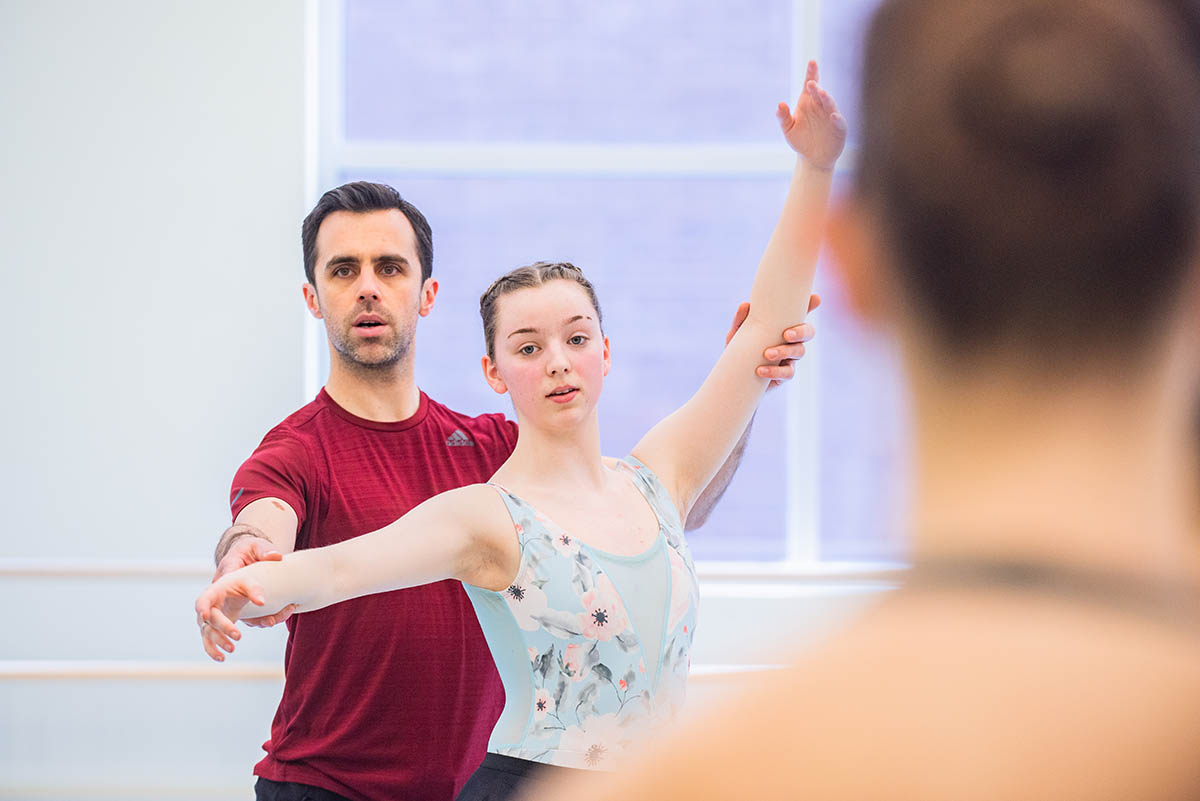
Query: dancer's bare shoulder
point(964, 698)
point(989, 697)
point(495, 554)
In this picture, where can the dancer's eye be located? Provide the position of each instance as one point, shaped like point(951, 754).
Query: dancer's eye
point(528, 350)
point(578, 339)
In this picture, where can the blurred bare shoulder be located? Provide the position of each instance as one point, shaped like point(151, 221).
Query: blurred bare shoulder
point(964, 698)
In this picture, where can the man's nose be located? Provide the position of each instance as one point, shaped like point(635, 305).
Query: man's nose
point(368, 286)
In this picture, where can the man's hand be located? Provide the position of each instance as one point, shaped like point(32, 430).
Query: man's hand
point(779, 358)
point(244, 545)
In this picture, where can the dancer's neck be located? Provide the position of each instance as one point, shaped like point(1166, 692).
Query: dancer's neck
point(1097, 477)
point(553, 457)
point(382, 394)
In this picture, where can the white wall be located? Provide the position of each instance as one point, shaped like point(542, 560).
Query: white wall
point(151, 191)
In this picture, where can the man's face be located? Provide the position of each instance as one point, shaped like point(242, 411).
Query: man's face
point(368, 286)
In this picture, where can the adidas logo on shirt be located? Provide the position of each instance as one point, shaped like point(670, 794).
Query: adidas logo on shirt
point(459, 439)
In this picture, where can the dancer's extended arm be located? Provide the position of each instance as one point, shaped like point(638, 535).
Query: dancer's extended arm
point(457, 534)
point(687, 448)
point(779, 368)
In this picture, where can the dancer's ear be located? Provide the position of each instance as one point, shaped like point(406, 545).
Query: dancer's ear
point(857, 259)
point(311, 300)
point(607, 357)
point(492, 376)
point(429, 290)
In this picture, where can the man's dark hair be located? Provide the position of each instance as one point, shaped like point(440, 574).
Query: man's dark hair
point(363, 196)
point(1035, 165)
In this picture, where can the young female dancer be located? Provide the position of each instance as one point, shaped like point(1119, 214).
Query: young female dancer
point(590, 608)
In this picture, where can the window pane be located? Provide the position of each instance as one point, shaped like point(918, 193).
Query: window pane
point(565, 70)
point(670, 258)
point(843, 26)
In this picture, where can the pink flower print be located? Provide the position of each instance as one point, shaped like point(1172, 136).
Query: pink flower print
point(543, 704)
point(682, 584)
point(525, 601)
point(573, 661)
point(642, 665)
point(597, 744)
point(519, 529)
point(604, 615)
point(533, 654)
point(622, 684)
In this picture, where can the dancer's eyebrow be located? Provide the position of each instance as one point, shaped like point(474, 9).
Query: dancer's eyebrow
point(538, 330)
point(338, 261)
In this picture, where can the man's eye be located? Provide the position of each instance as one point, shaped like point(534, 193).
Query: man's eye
point(390, 269)
point(342, 272)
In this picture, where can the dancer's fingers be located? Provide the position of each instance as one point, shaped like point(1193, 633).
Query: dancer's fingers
point(210, 647)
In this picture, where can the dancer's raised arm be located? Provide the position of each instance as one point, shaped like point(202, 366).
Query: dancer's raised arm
point(687, 448)
point(464, 534)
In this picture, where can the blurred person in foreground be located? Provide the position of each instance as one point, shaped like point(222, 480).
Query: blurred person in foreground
point(1028, 175)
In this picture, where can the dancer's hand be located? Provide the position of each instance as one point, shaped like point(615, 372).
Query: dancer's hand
point(779, 358)
point(815, 129)
point(246, 550)
point(217, 611)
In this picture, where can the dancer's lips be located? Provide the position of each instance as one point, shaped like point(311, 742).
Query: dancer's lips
point(369, 324)
point(563, 394)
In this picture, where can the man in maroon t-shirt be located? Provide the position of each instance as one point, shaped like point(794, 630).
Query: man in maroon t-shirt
point(389, 696)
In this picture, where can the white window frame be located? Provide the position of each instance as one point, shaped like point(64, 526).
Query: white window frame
point(329, 154)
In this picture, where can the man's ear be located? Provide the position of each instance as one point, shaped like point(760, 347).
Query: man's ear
point(310, 300)
point(855, 247)
point(492, 376)
point(428, 295)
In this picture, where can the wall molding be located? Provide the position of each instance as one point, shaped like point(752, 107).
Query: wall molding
point(105, 670)
point(95, 669)
point(710, 572)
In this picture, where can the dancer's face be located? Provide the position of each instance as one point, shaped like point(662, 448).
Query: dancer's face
point(550, 353)
point(368, 287)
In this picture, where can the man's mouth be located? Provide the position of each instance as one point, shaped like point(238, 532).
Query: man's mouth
point(369, 322)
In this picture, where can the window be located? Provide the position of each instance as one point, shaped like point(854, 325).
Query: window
point(638, 141)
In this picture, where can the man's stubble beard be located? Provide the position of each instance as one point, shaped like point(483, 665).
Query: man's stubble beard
point(394, 350)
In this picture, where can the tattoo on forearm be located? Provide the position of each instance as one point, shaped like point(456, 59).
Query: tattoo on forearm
point(231, 535)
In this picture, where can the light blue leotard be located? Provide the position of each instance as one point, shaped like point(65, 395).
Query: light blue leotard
point(593, 648)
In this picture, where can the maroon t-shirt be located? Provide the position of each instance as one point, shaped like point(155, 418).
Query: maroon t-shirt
point(388, 696)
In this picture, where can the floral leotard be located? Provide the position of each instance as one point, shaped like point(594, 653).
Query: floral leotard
point(593, 648)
